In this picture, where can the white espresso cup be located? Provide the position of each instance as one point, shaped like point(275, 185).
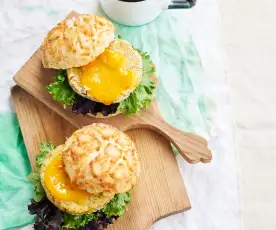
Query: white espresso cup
point(139, 12)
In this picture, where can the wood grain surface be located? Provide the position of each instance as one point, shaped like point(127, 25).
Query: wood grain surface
point(160, 191)
point(34, 78)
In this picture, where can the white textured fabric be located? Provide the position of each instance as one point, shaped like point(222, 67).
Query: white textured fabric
point(249, 36)
point(212, 188)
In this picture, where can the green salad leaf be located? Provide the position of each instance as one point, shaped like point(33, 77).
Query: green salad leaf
point(140, 98)
point(60, 89)
point(145, 93)
point(34, 178)
point(116, 207)
point(148, 66)
point(45, 148)
point(39, 192)
point(76, 221)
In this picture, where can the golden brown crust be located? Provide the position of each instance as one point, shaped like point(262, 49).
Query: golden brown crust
point(76, 41)
point(92, 204)
point(100, 158)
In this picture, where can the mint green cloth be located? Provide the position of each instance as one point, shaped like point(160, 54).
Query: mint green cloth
point(181, 103)
point(15, 190)
point(180, 92)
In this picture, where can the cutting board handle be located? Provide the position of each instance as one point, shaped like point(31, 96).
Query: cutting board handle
point(192, 148)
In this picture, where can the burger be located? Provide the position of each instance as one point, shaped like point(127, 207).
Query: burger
point(85, 183)
point(98, 74)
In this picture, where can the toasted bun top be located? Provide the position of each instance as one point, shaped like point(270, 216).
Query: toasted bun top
point(101, 159)
point(76, 41)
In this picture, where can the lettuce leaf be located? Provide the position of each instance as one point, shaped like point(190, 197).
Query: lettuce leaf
point(45, 148)
point(34, 178)
point(83, 106)
point(116, 207)
point(144, 94)
point(75, 221)
point(39, 192)
point(48, 216)
point(140, 98)
point(60, 89)
point(148, 66)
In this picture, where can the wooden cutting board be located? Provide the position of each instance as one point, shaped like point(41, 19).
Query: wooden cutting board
point(160, 191)
point(33, 78)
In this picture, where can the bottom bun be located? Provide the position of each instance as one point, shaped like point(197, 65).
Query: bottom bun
point(100, 115)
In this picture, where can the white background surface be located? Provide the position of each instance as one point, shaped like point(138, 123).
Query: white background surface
point(212, 188)
point(249, 37)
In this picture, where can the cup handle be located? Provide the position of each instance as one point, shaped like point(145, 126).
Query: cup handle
point(181, 4)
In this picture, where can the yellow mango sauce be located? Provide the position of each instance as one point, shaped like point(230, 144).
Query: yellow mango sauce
point(59, 184)
point(106, 79)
